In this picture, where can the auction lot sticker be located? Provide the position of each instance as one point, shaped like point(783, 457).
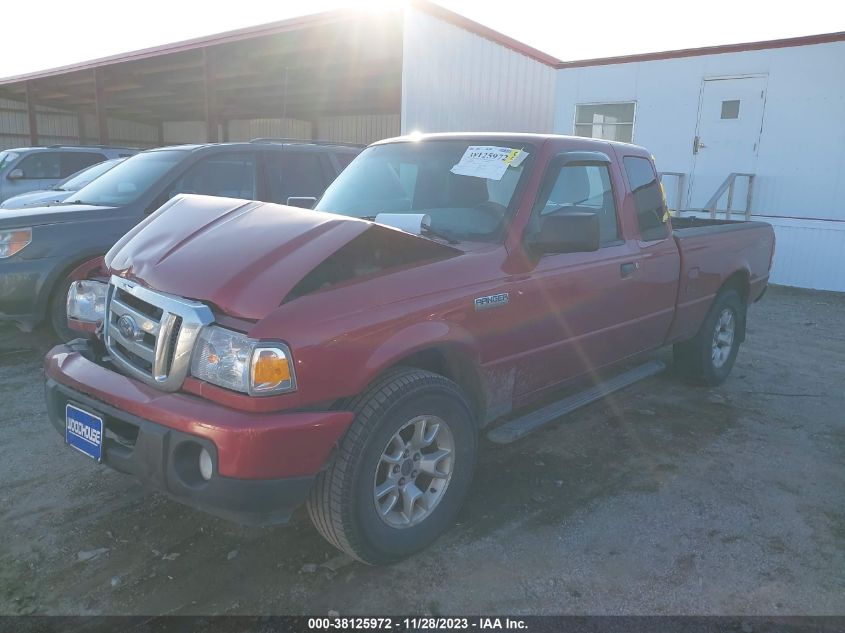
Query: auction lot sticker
point(488, 161)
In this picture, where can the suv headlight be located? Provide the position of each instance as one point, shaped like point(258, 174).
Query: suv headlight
point(14, 241)
point(234, 361)
point(86, 301)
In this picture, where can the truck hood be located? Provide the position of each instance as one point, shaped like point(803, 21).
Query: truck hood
point(242, 257)
point(36, 216)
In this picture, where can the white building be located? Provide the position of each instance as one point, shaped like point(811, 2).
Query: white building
point(772, 109)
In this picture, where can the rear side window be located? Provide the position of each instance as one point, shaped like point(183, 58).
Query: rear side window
point(581, 188)
point(228, 176)
point(73, 162)
point(648, 198)
point(296, 174)
point(41, 165)
point(344, 159)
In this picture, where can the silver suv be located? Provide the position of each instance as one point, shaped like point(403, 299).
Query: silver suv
point(32, 168)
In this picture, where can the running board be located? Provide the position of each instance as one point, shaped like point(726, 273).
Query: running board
point(522, 426)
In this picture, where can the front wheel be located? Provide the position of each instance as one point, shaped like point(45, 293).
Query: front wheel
point(710, 356)
point(401, 472)
point(58, 311)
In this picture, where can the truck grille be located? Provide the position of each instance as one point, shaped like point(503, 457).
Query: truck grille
point(150, 335)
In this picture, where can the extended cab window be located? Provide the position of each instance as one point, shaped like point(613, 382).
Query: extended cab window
point(41, 165)
point(227, 176)
point(648, 198)
point(580, 188)
point(295, 174)
point(422, 178)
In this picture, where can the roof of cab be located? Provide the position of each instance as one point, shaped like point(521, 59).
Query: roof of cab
point(509, 137)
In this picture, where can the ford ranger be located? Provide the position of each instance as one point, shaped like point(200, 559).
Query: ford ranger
point(250, 358)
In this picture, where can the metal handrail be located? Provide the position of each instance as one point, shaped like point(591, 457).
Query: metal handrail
point(681, 176)
point(728, 186)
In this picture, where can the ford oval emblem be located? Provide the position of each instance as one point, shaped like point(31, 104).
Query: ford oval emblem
point(128, 328)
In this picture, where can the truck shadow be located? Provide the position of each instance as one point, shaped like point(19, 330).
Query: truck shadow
point(105, 545)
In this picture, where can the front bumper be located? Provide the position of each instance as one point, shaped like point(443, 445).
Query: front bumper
point(264, 464)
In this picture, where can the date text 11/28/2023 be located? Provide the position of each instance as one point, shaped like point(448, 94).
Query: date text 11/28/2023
point(415, 624)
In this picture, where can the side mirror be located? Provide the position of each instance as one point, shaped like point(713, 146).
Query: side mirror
point(15, 174)
point(567, 233)
point(303, 202)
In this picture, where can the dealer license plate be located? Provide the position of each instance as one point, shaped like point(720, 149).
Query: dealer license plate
point(84, 431)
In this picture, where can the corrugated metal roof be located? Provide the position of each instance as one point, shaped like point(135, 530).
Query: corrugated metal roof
point(282, 26)
point(807, 40)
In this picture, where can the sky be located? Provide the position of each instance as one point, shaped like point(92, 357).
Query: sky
point(65, 32)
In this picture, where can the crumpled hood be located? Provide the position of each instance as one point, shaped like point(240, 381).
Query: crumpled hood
point(242, 257)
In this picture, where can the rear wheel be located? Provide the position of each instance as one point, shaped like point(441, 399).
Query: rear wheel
point(401, 472)
point(710, 356)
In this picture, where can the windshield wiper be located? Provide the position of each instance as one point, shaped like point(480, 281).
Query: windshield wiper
point(90, 204)
point(426, 229)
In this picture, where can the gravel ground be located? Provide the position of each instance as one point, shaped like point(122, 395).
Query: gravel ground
point(665, 499)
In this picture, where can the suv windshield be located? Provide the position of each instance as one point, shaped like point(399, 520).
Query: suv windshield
point(432, 178)
point(7, 158)
point(130, 180)
point(87, 175)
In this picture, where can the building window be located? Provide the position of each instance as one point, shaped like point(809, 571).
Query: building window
point(730, 109)
point(609, 121)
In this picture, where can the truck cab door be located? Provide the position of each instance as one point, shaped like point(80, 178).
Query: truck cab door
point(579, 304)
point(656, 280)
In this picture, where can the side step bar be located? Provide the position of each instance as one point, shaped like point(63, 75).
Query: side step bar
point(520, 427)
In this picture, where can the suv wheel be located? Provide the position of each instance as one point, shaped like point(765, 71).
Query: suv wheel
point(402, 471)
point(58, 311)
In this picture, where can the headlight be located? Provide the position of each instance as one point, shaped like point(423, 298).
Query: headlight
point(234, 361)
point(86, 301)
point(14, 241)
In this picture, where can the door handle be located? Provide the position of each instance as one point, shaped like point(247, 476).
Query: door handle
point(629, 268)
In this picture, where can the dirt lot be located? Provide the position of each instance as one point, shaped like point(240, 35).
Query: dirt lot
point(667, 499)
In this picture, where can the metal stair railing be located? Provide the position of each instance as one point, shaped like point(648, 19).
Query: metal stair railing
point(681, 177)
point(728, 186)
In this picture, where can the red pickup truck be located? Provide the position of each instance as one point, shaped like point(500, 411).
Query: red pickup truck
point(251, 357)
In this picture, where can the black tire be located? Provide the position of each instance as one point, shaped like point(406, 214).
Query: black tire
point(694, 358)
point(341, 504)
point(57, 311)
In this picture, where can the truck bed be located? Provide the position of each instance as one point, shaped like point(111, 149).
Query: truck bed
point(691, 226)
point(713, 251)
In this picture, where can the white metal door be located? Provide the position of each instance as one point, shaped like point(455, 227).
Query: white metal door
point(730, 117)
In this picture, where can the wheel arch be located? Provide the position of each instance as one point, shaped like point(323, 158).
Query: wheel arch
point(458, 364)
point(78, 266)
point(741, 282)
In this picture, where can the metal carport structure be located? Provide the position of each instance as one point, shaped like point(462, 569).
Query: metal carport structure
point(340, 75)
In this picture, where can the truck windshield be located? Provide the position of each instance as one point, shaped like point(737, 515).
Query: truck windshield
point(130, 180)
point(466, 188)
point(7, 158)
